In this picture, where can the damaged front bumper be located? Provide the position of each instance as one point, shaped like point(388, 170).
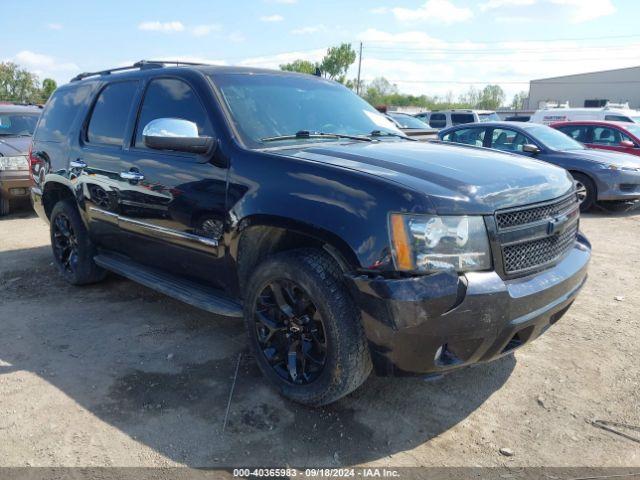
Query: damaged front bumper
point(436, 323)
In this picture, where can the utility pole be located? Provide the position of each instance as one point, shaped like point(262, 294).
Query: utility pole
point(359, 67)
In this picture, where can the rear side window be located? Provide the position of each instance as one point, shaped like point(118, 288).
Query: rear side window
point(60, 112)
point(468, 136)
point(460, 118)
point(577, 132)
point(171, 98)
point(110, 113)
point(438, 120)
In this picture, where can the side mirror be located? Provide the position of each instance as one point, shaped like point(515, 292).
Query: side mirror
point(529, 148)
point(176, 134)
point(627, 144)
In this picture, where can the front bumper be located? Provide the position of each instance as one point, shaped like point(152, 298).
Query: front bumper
point(436, 323)
point(15, 184)
point(618, 185)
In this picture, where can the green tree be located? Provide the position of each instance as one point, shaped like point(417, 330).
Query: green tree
point(48, 87)
point(302, 66)
point(17, 84)
point(337, 61)
point(471, 97)
point(520, 101)
point(334, 64)
point(491, 98)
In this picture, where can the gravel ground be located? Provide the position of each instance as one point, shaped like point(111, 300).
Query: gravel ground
point(116, 375)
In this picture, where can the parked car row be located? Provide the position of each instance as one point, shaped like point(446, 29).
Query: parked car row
point(288, 200)
point(599, 175)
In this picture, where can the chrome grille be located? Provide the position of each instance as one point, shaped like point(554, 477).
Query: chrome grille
point(537, 236)
point(537, 253)
point(514, 218)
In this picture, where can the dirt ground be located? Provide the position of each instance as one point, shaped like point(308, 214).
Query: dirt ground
point(117, 375)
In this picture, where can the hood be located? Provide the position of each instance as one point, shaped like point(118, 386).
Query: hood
point(456, 179)
point(606, 156)
point(10, 146)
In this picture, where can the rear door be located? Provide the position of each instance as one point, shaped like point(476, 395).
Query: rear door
point(96, 159)
point(173, 214)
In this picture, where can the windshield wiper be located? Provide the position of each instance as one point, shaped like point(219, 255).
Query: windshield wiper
point(308, 134)
point(380, 133)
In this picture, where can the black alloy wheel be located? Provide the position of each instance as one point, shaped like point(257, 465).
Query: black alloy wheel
point(290, 332)
point(65, 243)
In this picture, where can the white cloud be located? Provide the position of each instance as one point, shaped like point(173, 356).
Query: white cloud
point(585, 10)
point(436, 11)
point(493, 4)
point(236, 37)
point(45, 66)
point(164, 27)
point(203, 30)
point(308, 30)
point(274, 61)
point(272, 18)
point(284, 2)
point(575, 11)
point(55, 26)
point(379, 10)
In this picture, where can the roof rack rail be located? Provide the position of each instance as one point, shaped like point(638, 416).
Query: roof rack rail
point(140, 65)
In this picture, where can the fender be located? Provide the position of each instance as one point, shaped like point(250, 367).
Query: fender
point(347, 209)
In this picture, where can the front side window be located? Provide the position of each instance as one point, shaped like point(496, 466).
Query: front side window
point(468, 136)
point(17, 124)
point(438, 120)
point(171, 98)
point(265, 108)
point(460, 118)
point(110, 113)
point(508, 140)
point(608, 136)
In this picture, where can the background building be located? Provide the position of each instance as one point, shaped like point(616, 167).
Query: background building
point(588, 89)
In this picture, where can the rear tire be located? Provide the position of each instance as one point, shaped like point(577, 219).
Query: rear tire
point(5, 207)
point(73, 250)
point(586, 190)
point(311, 347)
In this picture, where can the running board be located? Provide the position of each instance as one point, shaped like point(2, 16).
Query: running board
point(208, 299)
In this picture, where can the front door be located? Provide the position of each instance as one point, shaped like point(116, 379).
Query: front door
point(173, 207)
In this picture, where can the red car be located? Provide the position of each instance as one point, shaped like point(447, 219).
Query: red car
point(616, 136)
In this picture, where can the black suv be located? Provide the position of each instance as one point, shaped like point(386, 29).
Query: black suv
point(287, 200)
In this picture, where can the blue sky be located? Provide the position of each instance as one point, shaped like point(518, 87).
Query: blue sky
point(424, 46)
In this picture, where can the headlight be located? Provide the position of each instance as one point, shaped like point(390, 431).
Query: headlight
point(430, 243)
point(14, 163)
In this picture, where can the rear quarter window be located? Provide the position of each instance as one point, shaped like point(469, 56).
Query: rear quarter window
point(460, 118)
point(60, 112)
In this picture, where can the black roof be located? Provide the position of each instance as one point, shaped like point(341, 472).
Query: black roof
point(162, 64)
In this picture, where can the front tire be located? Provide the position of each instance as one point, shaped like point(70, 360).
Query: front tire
point(304, 329)
point(73, 250)
point(586, 191)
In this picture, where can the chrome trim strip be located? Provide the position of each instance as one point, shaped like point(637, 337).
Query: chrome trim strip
point(209, 242)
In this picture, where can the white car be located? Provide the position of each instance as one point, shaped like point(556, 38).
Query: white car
point(448, 118)
point(611, 112)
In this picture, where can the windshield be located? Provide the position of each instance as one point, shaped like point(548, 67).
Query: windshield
point(634, 129)
point(264, 106)
point(407, 121)
point(489, 117)
point(17, 124)
point(553, 139)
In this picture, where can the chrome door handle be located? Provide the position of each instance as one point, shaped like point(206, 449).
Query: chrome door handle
point(132, 175)
point(77, 164)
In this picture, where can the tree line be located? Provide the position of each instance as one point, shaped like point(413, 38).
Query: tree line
point(380, 91)
point(18, 85)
